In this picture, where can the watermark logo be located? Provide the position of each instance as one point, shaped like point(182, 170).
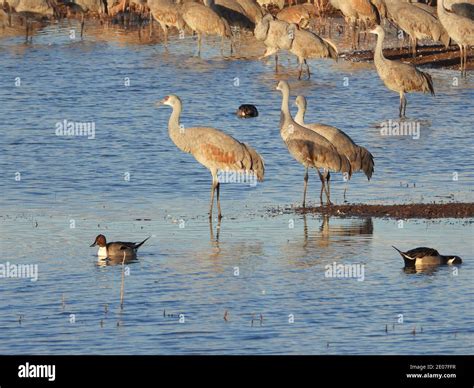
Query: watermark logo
point(245, 177)
point(75, 128)
point(345, 271)
point(400, 128)
point(19, 271)
point(37, 371)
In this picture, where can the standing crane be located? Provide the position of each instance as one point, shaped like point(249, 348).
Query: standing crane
point(307, 44)
point(309, 148)
point(397, 76)
point(359, 157)
point(203, 20)
point(417, 23)
point(212, 148)
point(460, 29)
point(167, 14)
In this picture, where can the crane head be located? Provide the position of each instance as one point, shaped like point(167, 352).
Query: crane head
point(300, 102)
point(170, 100)
point(283, 85)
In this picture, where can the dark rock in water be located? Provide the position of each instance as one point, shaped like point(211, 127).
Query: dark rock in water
point(247, 110)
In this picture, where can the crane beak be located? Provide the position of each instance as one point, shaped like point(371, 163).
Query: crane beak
point(92, 245)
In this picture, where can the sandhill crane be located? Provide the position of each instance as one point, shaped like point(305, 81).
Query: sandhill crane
point(460, 29)
point(275, 34)
point(252, 10)
point(357, 10)
point(231, 11)
point(212, 148)
point(359, 157)
point(308, 45)
point(43, 7)
point(417, 23)
point(297, 14)
point(308, 147)
point(203, 20)
point(167, 14)
point(397, 76)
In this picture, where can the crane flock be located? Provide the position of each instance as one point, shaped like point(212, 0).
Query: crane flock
point(322, 147)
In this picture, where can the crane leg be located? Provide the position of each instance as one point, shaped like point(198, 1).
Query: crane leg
point(151, 25)
point(305, 186)
point(276, 63)
point(328, 188)
point(307, 68)
point(213, 189)
point(199, 43)
point(323, 184)
point(165, 33)
point(404, 106)
point(219, 213)
point(300, 70)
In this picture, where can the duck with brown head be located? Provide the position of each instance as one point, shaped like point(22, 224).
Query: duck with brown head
point(116, 249)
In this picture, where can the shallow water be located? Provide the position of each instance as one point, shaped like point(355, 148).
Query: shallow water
point(72, 188)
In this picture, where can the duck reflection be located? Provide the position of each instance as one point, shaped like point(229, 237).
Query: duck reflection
point(421, 269)
point(115, 260)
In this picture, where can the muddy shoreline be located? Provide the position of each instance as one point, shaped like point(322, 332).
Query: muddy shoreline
point(434, 56)
point(398, 211)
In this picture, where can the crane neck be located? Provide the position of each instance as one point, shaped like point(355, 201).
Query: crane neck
point(378, 53)
point(299, 118)
point(440, 8)
point(286, 121)
point(173, 123)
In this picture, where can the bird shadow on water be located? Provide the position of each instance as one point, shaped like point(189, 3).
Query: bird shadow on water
point(329, 242)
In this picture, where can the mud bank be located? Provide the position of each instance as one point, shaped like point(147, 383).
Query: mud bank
point(417, 210)
point(436, 56)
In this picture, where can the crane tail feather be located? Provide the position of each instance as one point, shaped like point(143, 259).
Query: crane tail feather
point(257, 165)
point(367, 162)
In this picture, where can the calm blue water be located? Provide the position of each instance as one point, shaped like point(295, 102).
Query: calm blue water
point(49, 183)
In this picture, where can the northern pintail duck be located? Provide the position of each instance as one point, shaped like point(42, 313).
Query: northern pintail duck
point(117, 248)
point(426, 256)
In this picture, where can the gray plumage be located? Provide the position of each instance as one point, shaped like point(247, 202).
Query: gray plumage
point(397, 76)
point(275, 34)
point(308, 147)
point(359, 157)
point(417, 23)
point(204, 21)
point(460, 29)
point(167, 14)
point(214, 149)
point(308, 45)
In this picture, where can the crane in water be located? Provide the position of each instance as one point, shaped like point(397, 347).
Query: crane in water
point(309, 148)
point(397, 76)
point(214, 149)
point(460, 29)
point(359, 157)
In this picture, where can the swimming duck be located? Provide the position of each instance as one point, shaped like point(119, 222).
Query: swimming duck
point(247, 110)
point(426, 256)
point(115, 249)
